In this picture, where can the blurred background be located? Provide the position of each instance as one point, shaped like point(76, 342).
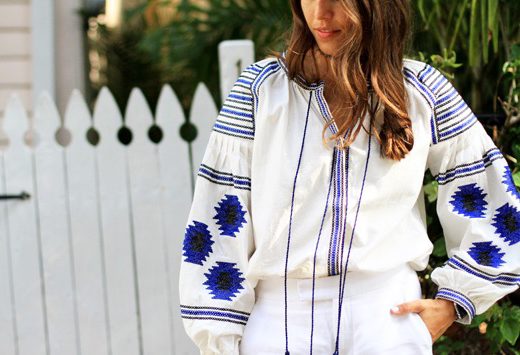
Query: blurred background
point(121, 44)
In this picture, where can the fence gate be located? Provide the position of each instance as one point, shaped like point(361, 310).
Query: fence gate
point(91, 235)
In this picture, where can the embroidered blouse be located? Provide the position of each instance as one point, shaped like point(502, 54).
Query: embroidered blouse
point(272, 201)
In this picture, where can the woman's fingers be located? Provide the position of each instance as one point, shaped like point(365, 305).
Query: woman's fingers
point(415, 306)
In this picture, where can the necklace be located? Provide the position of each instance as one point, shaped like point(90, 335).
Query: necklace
point(328, 56)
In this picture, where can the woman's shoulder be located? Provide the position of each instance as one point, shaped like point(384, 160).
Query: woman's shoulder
point(414, 65)
point(265, 65)
point(426, 79)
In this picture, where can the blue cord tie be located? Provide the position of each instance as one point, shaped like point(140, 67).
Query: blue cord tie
point(290, 225)
point(316, 249)
point(344, 274)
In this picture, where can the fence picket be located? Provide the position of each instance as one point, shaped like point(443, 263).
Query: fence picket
point(89, 264)
point(51, 190)
point(174, 169)
point(145, 200)
point(85, 228)
point(29, 306)
point(7, 316)
point(125, 333)
point(202, 114)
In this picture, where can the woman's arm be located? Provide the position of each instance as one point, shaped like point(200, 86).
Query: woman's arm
point(215, 294)
point(478, 207)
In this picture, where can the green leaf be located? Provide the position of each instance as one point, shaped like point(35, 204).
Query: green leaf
point(439, 248)
point(430, 190)
point(493, 22)
point(516, 179)
point(474, 31)
point(510, 330)
point(515, 52)
point(484, 29)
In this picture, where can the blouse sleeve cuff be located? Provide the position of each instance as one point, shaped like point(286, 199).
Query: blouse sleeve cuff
point(467, 309)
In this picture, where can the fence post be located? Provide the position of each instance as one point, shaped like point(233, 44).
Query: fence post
point(234, 56)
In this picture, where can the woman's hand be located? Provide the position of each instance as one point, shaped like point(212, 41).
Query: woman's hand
point(438, 314)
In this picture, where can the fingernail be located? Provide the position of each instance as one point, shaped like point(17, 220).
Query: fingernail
point(395, 309)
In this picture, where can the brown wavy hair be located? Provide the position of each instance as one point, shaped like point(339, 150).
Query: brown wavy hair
point(366, 69)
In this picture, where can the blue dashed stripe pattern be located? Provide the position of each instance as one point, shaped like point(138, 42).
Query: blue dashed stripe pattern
point(451, 115)
point(224, 178)
point(265, 72)
point(504, 278)
point(469, 169)
point(214, 313)
point(237, 115)
point(457, 297)
point(340, 192)
point(339, 206)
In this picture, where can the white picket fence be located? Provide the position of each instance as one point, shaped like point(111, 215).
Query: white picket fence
point(89, 263)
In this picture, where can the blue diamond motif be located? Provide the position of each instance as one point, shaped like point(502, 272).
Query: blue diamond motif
point(507, 223)
point(224, 281)
point(469, 201)
point(508, 181)
point(197, 243)
point(230, 215)
point(487, 254)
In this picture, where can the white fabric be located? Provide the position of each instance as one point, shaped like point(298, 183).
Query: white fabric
point(256, 187)
point(367, 326)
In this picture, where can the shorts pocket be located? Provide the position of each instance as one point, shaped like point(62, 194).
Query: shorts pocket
point(423, 329)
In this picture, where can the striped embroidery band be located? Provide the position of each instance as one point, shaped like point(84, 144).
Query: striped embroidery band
point(457, 297)
point(214, 313)
point(340, 190)
point(223, 178)
point(469, 169)
point(452, 114)
point(504, 278)
point(428, 96)
point(236, 116)
point(339, 200)
point(267, 71)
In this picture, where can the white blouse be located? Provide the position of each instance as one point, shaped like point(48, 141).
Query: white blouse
point(269, 192)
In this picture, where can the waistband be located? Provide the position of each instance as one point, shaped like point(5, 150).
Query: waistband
point(327, 288)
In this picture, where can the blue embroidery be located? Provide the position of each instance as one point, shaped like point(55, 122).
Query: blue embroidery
point(469, 169)
point(459, 298)
point(452, 116)
point(230, 215)
point(487, 254)
point(469, 201)
point(508, 181)
point(214, 313)
point(507, 223)
point(197, 243)
point(224, 281)
point(503, 278)
point(224, 178)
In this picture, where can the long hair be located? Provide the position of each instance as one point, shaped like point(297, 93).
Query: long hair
point(367, 70)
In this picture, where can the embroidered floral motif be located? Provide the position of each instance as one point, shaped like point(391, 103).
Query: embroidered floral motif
point(485, 253)
point(508, 181)
point(230, 215)
point(197, 243)
point(224, 281)
point(507, 223)
point(469, 201)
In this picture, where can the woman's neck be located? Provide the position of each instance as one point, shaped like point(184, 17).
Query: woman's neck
point(317, 65)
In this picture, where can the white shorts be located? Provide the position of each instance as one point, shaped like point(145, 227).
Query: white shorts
point(367, 326)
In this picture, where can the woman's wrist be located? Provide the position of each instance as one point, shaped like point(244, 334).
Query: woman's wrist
point(451, 308)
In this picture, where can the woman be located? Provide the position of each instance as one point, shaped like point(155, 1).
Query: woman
point(306, 228)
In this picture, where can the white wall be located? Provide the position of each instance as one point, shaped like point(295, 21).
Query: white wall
point(27, 64)
point(15, 51)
